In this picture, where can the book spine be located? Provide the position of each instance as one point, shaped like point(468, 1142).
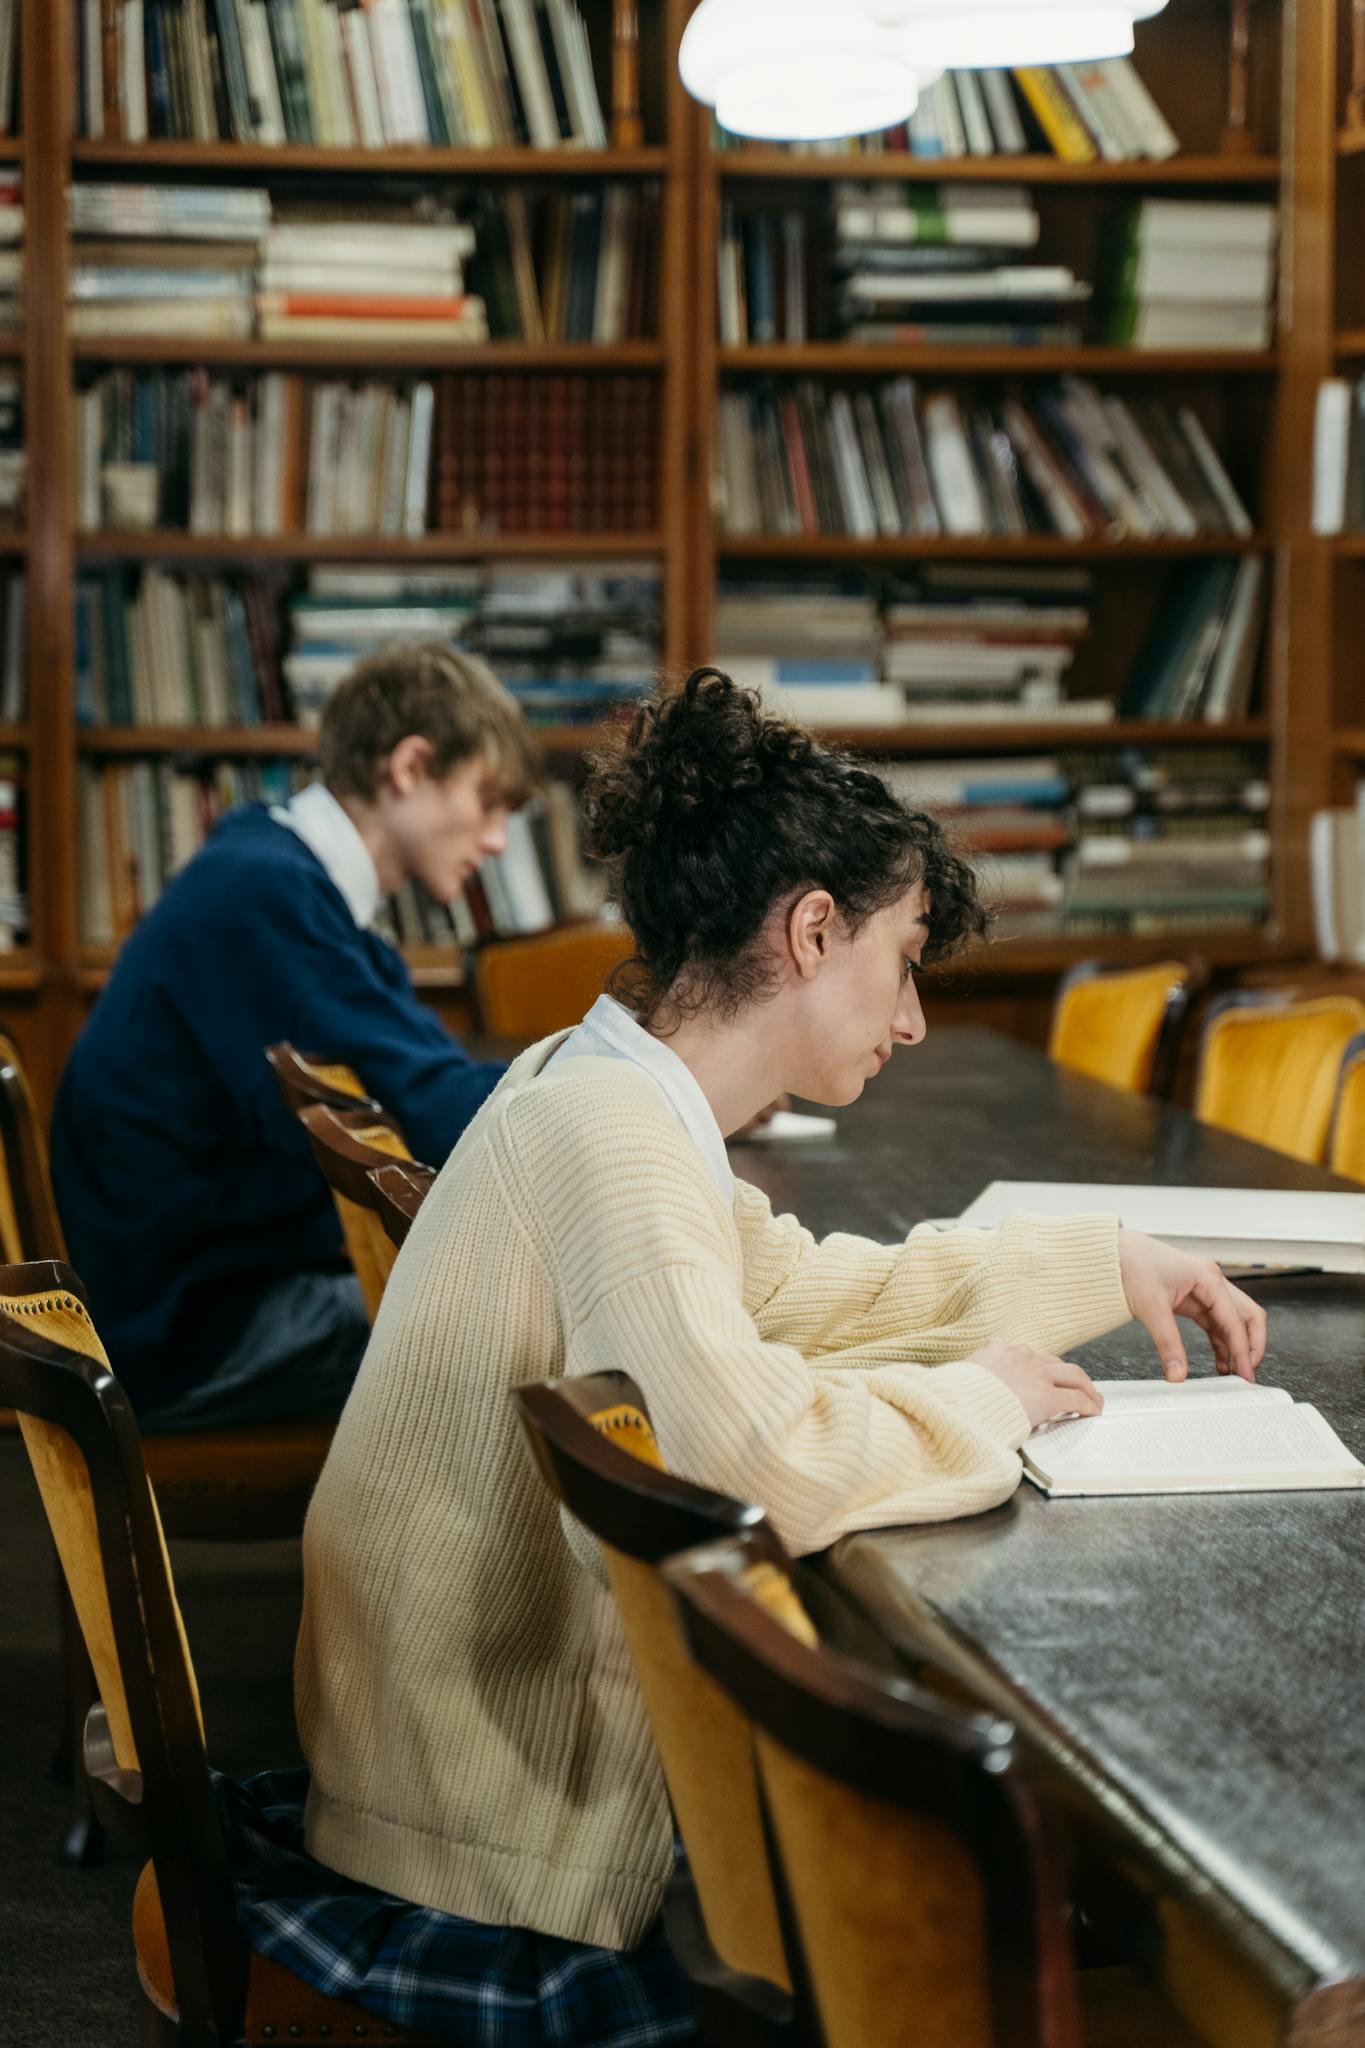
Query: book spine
point(1055, 114)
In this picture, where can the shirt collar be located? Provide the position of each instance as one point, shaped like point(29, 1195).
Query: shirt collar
point(323, 826)
point(609, 1021)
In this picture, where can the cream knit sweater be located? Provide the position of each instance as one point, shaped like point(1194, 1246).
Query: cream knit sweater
point(465, 1701)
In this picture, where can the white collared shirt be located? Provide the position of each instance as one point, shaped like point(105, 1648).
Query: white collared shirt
point(610, 1032)
point(324, 827)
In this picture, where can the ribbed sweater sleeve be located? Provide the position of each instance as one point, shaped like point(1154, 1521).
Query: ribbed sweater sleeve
point(1049, 1281)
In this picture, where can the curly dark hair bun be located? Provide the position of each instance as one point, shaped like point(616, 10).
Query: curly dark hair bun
point(713, 810)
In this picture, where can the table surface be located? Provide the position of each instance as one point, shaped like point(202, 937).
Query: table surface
point(1193, 1665)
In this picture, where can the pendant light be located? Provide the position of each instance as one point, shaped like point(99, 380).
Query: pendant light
point(800, 70)
point(975, 34)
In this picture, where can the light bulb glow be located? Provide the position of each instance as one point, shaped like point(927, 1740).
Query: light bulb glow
point(799, 70)
point(993, 35)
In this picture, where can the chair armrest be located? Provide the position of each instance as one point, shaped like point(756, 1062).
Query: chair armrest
point(115, 1794)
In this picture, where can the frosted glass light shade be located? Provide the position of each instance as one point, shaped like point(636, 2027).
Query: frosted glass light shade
point(799, 70)
point(971, 34)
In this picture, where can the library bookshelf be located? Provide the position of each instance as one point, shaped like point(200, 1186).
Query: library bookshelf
point(1311, 729)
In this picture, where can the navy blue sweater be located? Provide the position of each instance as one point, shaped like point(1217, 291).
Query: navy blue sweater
point(184, 1185)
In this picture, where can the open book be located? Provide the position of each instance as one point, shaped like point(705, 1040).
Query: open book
point(1243, 1227)
point(1201, 1436)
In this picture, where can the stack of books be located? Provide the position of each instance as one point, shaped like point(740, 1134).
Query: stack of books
point(982, 655)
point(156, 649)
point(1011, 815)
point(1200, 659)
point(12, 462)
point(1167, 840)
point(762, 287)
point(813, 648)
point(1195, 274)
point(358, 272)
point(548, 454)
point(139, 821)
point(165, 259)
point(1079, 112)
point(573, 643)
point(343, 614)
point(278, 453)
point(468, 74)
point(811, 459)
point(569, 266)
point(947, 267)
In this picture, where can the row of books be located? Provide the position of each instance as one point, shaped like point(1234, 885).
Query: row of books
point(1339, 457)
point(470, 74)
point(140, 821)
point(1078, 112)
point(982, 646)
point(178, 259)
point(1114, 841)
point(278, 453)
point(523, 453)
point(891, 460)
point(569, 266)
point(156, 649)
point(1195, 273)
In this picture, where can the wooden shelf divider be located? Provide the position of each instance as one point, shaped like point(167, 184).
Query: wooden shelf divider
point(286, 741)
point(387, 355)
point(1034, 547)
point(164, 544)
point(995, 170)
point(394, 160)
point(847, 359)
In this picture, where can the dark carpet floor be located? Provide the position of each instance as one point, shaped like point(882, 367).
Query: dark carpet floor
point(66, 1964)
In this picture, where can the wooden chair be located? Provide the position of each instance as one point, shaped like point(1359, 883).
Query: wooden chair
point(144, 1743)
point(922, 1907)
point(348, 1144)
point(399, 1192)
point(1268, 1066)
point(526, 988)
point(1346, 1146)
point(1122, 1025)
point(238, 1485)
point(306, 1077)
point(595, 1448)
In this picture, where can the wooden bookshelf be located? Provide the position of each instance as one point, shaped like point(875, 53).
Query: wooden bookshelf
point(290, 742)
point(848, 359)
point(168, 544)
point(1034, 547)
point(762, 163)
point(350, 355)
point(911, 740)
point(394, 160)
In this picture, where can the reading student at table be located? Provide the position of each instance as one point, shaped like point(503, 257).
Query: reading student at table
point(483, 1790)
point(194, 1211)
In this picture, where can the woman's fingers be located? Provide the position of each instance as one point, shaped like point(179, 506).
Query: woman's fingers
point(1231, 1321)
point(1079, 1389)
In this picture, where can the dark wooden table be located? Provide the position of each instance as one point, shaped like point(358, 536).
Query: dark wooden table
point(1190, 1670)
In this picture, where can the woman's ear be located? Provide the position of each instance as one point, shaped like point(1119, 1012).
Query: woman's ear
point(809, 930)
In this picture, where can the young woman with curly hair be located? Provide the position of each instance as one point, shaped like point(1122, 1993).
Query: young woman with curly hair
point(481, 1769)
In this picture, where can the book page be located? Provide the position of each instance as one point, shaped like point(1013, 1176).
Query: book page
point(1124, 1398)
point(1203, 1446)
point(1247, 1224)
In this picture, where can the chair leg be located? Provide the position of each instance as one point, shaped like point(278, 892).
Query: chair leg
point(83, 1837)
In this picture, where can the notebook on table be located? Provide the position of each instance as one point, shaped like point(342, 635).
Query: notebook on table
point(1250, 1228)
point(1200, 1436)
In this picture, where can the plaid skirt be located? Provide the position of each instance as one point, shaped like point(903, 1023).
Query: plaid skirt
point(483, 1987)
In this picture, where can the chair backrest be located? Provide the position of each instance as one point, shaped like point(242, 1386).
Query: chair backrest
point(399, 1192)
point(906, 1845)
point(1268, 1066)
point(29, 1224)
point(1346, 1146)
point(82, 1440)
point(526, 988)
point(1122, 1025)
point(348, 1144)
point(306, 1077)
point(593, 1443)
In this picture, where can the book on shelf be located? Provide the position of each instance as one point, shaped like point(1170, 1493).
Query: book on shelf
point(547, 453)
point(1195, 274)
point(762, 283)
point(1339, 456)
point(569, 265)
point(1200, 658)
point(1336, 862)
point(1219, 1435)
point(462, 74)
point(892, 460)
point(9, 64)
point(13, 648)
point(1078, 112)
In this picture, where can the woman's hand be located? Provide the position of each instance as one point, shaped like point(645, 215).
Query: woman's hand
point(1044, 1386)
point(1161, 1283)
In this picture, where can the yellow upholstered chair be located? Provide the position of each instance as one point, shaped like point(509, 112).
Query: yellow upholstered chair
point(144, 1741)
point(907, 1841)
point(1346, 1147)
point(348, 1144)
point(1268, 1066)
point(593, 1443)
point(1122, 1025)
point(526, 988)
point(306, 1077)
